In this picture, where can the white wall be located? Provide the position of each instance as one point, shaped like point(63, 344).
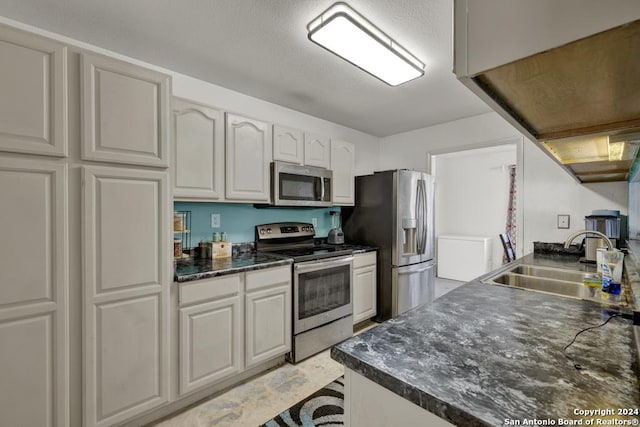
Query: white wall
point(472, 193)
point(367, 146)
point(409, 150)
point(550, 191)
point(547, 190)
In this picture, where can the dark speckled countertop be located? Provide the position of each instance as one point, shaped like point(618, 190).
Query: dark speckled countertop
point(203, 268)
point(483, 354)
point(189, 269)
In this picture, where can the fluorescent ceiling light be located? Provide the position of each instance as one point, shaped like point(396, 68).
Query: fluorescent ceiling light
point(595, 148)
point(344, 32)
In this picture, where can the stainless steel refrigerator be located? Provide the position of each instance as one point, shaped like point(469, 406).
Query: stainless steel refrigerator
point(394, 212)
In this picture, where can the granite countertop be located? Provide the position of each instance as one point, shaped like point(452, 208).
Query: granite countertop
point(483, 354)
point(189, 269)
point(357, 249)
point(203, 268)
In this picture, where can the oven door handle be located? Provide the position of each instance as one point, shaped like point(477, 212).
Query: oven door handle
point(317, 265)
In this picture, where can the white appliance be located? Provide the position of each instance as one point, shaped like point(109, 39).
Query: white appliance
point(394, 212)
point(464, 257)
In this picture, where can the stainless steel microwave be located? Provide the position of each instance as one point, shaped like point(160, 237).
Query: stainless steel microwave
point(297, 185)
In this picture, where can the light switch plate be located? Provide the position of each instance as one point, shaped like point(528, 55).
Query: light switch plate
point(215, 220)
point(563, 221)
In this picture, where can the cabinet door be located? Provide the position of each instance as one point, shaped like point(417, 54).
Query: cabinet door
point(33, 104)
point(248, 156)
point(364, 293)
point(34, 355)
point(125, 112)
point(317, 150)
point(343, 164)
point(126, 283)
point(210, 342)
point(288, 144)
point(198, 150)
point(268, 314)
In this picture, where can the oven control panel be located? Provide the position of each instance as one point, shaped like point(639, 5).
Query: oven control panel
point(279, 230)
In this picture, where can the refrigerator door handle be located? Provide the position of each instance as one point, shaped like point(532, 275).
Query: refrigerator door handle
point(424, 217)
point(420, 213)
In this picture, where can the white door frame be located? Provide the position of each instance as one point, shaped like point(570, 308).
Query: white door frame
point(518, 141)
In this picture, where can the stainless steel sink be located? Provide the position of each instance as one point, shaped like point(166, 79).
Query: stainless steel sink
point(551, 273)
point(556, 281)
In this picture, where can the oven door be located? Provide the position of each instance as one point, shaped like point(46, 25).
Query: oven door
point(295, 185)
point(321, 292)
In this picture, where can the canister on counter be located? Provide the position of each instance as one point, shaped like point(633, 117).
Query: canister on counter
point(177, 248)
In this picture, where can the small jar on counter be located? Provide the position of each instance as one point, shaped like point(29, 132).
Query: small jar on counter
point(177, 248)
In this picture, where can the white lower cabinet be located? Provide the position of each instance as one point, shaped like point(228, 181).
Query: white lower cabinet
point(211, 332)
point(231, 323)
point(364, 286)
point(268, 314)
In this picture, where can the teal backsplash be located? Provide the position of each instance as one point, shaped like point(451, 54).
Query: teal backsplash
point(239, 220)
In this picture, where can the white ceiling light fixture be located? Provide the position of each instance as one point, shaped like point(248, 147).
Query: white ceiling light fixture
point(341, 30)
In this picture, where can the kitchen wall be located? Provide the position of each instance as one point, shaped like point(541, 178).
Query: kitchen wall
point(547, 190)
point(239, 220)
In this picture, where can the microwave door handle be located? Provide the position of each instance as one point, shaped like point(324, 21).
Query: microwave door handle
point(321, 189)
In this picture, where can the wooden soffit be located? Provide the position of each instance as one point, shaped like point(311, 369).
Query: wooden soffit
point(587, 86)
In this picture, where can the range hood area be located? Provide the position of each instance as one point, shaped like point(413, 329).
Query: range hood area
point(580, 101)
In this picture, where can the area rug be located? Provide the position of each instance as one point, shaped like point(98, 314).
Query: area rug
point(323, 408)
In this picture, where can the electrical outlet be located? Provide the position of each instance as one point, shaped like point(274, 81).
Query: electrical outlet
point(314, 221)
point(563, 221)
point(215, 220)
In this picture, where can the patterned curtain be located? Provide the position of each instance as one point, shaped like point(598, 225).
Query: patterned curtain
point(510, 228)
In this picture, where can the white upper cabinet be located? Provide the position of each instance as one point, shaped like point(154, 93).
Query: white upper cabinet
point(248, 153)
point(34, 355)
point(288, 144)
point(125, 112)
point(317, 150)
point(198, 151)
point(343, 164)
point(33, 94)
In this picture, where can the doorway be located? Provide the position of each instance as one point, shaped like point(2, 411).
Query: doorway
point(479, 191)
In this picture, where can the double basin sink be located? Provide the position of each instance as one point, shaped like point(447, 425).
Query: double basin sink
point(558, 281)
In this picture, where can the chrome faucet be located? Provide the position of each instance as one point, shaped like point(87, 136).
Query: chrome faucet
point(578, 233)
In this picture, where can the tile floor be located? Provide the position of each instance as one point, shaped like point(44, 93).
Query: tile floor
point(262, 398)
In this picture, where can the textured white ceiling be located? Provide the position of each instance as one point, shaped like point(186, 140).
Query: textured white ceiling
point(260, 48)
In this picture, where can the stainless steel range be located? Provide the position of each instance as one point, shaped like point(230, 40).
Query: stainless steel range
point(322, 294)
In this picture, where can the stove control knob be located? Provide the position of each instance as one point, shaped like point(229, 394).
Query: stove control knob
point(262, 231)
point(269, 230)
point(305, 228)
